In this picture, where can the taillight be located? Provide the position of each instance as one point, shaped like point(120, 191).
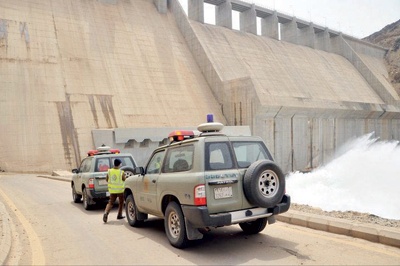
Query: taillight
point(200, 195)
point(91, 182)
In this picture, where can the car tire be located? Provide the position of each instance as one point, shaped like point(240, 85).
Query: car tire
point(264, 184)
point(76, 198)
point(175, 228)
point(132, 213)
point(85, 200)
point(254, 227)
point(128, 171)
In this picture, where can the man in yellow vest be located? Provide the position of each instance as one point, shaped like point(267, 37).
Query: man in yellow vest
point(115, 178)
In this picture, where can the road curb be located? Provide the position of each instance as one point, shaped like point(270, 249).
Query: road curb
point(59, 178)
point(378, 234)
point(5, 243)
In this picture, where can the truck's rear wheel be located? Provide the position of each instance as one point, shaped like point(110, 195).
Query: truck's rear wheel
point(85, 200)
point(175, 228)
point(254, 227)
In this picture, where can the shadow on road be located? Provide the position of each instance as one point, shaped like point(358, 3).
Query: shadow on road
point(224, 245)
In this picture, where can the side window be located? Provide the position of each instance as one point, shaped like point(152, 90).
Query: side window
point(85, 166)
point(179, 159)
point(155, 163)
point(218, 156)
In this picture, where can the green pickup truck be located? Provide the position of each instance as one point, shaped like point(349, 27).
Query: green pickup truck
point(204, 181)
point(89, 180)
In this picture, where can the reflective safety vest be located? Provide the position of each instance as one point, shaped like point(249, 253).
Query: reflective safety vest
point(115, 182)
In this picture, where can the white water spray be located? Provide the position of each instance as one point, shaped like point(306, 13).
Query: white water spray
point(365, 177)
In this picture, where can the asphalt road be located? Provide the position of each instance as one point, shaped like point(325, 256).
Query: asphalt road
point(48, 228)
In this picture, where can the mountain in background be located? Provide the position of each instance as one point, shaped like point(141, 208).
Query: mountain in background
point(389, 37)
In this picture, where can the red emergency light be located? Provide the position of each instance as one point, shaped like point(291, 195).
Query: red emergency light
point(179, 135)
point(103, 149)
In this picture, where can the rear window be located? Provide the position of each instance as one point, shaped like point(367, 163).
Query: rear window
point(247, 153)
point(218, 156)
point(104, 163)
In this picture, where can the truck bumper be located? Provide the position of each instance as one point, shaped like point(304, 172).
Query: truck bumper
point(97, 195)
point(199, 217)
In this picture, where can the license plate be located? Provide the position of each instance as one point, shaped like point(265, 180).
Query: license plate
point(222, 192)
point(102, 182)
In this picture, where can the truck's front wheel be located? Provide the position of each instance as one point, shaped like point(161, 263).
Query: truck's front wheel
point(175, 226)
point(132, 212)
point(76, 198)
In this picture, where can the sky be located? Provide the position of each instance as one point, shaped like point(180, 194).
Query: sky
point(364, 177)
point(358, 18)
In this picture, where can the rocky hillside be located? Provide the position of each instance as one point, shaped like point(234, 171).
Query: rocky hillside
point(389, 37)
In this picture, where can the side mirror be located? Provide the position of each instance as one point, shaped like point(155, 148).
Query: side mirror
point(75, 171)
point(138, 171)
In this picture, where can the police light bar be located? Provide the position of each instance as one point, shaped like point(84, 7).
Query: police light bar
point(179, 135)
point(92, 152)
point(103, 149)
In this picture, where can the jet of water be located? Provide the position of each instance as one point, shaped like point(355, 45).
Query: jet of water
point(364, 177)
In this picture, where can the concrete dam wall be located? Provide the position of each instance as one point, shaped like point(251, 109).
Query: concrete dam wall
point(306, 94)
point(68, 67)
point(75, 74)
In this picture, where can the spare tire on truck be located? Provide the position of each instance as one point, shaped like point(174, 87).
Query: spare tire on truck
point(264, 184)
point(128, 171)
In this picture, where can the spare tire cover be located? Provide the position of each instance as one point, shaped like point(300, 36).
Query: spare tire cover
point(264, 184)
